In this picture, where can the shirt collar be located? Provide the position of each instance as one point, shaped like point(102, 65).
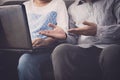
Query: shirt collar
point(84, 1)
point(81, 2)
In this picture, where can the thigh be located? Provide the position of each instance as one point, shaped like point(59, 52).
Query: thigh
point(77, 62)
point(86, 62)
point(76, 54)
point(34, 59)
point(110, 56)
point(110, 62)
point(111, 53)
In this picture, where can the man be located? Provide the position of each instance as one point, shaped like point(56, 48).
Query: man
point(97, 22)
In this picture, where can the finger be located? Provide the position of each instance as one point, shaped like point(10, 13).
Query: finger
point(77, 31)
point(46, 33)
point(73, 29)
point(52, 25)
point(33, 41)
point(43, 32)
point(37, 45)
point(34, 44)
point(87, 23)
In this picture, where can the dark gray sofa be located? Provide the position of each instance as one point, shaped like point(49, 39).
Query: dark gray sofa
point(8, 62)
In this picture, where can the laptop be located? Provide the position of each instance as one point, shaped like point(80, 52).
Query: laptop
point(14, 30)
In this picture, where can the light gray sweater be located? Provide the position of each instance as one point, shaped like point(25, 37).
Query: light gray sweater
point(105, 13)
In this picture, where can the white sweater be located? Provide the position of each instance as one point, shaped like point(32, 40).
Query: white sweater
point(38, 17)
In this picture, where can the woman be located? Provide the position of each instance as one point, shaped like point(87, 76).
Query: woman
point(40, 13)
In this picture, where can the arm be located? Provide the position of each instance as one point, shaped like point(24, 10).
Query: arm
point(71, 38)
point(62, 21)
point(58, 33)
point(62, 16)
point(113, 31)
point(49, 40)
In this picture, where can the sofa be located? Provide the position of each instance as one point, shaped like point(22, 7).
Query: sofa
point(9, 61)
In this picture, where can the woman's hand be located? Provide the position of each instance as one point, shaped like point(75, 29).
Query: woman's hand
point(40, 42)
point(57, 32)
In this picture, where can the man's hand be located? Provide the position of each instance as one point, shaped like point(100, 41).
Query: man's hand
point(57, 32)
point(90, 29)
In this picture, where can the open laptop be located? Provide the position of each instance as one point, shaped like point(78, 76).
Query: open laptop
point(14, 30)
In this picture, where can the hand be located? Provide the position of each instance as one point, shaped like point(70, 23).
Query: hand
point(57, 32)
point(39, 42)
point(90, 29)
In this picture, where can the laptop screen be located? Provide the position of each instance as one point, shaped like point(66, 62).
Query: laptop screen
point(14, 30)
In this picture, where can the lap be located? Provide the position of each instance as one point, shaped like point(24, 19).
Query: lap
point(80, 57)
point(79, 62)
point(34, 58)
point(76, 51)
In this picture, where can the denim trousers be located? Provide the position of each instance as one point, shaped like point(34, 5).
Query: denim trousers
point(33, 66)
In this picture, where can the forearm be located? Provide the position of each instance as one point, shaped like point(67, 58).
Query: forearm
point(111, 32)
point(50, 40)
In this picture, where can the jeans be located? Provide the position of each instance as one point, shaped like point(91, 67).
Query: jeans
point(33, 66)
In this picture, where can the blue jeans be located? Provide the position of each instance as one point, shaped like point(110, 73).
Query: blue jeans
point(31, 66)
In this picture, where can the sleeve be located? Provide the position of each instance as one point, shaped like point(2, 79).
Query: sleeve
point(62, 21)
point(71, 38)
point(113, 31)
point(62, 16)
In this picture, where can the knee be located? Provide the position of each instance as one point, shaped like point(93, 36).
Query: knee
point(24, 62)
point(60, 51)
point(110, 55)
point(112, 49)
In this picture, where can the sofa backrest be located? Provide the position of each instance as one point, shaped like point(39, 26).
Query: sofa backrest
point(10, 2)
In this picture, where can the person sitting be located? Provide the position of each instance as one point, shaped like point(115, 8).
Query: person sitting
point(97, 25)
point(40, 13)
